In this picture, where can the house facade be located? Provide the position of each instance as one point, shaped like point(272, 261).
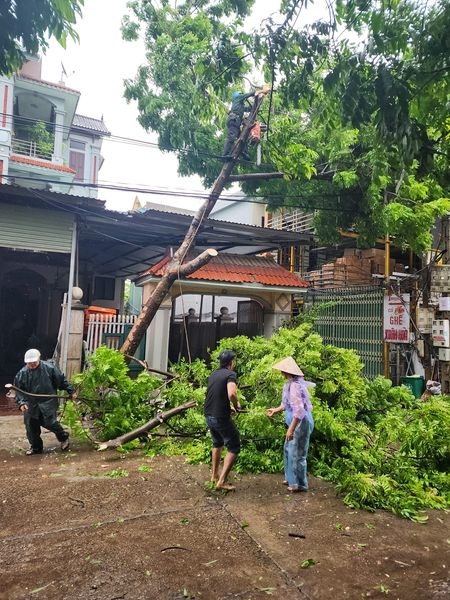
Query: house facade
point(45, 148)
point(44, 144)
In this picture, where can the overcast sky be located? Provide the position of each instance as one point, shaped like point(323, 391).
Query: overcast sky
point(96, 67)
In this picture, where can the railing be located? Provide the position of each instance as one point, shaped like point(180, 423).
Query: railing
point(30, 148)
point(100, 324)
point(293, 221)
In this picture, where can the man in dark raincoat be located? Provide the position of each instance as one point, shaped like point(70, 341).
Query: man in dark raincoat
point(41, 377)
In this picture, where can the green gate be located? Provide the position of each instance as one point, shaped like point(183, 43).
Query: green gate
point(352, 318)
point(116, 340)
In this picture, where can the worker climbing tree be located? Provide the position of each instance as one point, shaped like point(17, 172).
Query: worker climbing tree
point(239, 107)
point(348, 138)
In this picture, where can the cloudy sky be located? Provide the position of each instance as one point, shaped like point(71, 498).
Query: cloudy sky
point(96, 67)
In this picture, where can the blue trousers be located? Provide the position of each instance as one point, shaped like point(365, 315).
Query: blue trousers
point(295, 453)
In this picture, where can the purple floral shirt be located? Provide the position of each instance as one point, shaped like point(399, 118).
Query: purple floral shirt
point(295, 398)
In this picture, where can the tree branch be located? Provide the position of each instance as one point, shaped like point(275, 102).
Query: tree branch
point(252, 176)
point(132, 435)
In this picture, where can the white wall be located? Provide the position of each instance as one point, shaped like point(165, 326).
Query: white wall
point(238, 211)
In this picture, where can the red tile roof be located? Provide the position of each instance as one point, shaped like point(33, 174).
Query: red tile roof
point(237, 268)
point(26, 160)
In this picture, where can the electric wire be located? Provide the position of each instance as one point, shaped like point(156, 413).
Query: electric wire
point(252, 198)
point(123, 139)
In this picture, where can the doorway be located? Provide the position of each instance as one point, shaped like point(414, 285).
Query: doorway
point(23, 318)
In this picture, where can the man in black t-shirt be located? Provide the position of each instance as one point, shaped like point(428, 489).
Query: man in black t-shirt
point(220, 402)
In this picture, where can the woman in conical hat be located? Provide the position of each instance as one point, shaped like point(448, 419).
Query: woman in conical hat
point(288, 365)
point(296, 404)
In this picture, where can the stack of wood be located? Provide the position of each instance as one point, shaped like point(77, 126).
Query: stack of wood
point(314, 278)
point(376, 258)
point(334, 275)
point(356, 267)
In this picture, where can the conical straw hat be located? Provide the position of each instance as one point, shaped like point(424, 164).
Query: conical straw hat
point(288, 365)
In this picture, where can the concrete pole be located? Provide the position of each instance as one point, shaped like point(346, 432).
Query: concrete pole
point(69, 297)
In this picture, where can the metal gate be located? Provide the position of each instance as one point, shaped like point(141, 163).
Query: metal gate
point(191, 340)
point(250, 318)
point(353, 319)
point(112, 330)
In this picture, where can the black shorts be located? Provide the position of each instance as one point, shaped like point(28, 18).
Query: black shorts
point(224, 433)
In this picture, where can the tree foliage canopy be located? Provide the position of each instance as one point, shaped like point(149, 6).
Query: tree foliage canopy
point(358, 119)
point(26, 26)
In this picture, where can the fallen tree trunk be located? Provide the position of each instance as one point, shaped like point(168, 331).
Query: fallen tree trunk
point(132, 435)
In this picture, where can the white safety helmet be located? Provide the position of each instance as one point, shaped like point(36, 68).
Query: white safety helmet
point(32, 355)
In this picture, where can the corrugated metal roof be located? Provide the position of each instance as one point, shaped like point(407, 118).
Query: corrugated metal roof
point(165, 208)
point(97, 125)
point(125, 244)
point(235, 268)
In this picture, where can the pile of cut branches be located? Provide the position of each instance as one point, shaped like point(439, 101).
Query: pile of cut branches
point(380, 446)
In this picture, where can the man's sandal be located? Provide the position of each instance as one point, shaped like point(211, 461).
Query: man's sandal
point(30, 452)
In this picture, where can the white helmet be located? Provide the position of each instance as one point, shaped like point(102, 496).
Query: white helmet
point(32, 355)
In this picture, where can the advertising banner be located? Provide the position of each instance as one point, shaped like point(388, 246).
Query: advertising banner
point(396, 318)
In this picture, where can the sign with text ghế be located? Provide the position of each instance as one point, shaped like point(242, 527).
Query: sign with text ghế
point(396, 318)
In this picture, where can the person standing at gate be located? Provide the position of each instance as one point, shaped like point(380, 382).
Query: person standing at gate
point(41, 377)
point(220, 402)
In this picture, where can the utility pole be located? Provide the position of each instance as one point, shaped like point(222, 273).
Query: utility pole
point(177, 267)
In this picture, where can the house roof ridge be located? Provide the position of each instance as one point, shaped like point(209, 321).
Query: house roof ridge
point(59, 86)
point(244, 269)
point(90, 123)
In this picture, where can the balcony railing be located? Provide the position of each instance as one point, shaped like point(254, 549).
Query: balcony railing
point(293, 221)
point(31, 149)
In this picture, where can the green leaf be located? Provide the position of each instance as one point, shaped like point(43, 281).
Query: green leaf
point(309, 562)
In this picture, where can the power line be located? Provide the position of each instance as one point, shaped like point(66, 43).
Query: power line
point(119, 139)
point(251, 198)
